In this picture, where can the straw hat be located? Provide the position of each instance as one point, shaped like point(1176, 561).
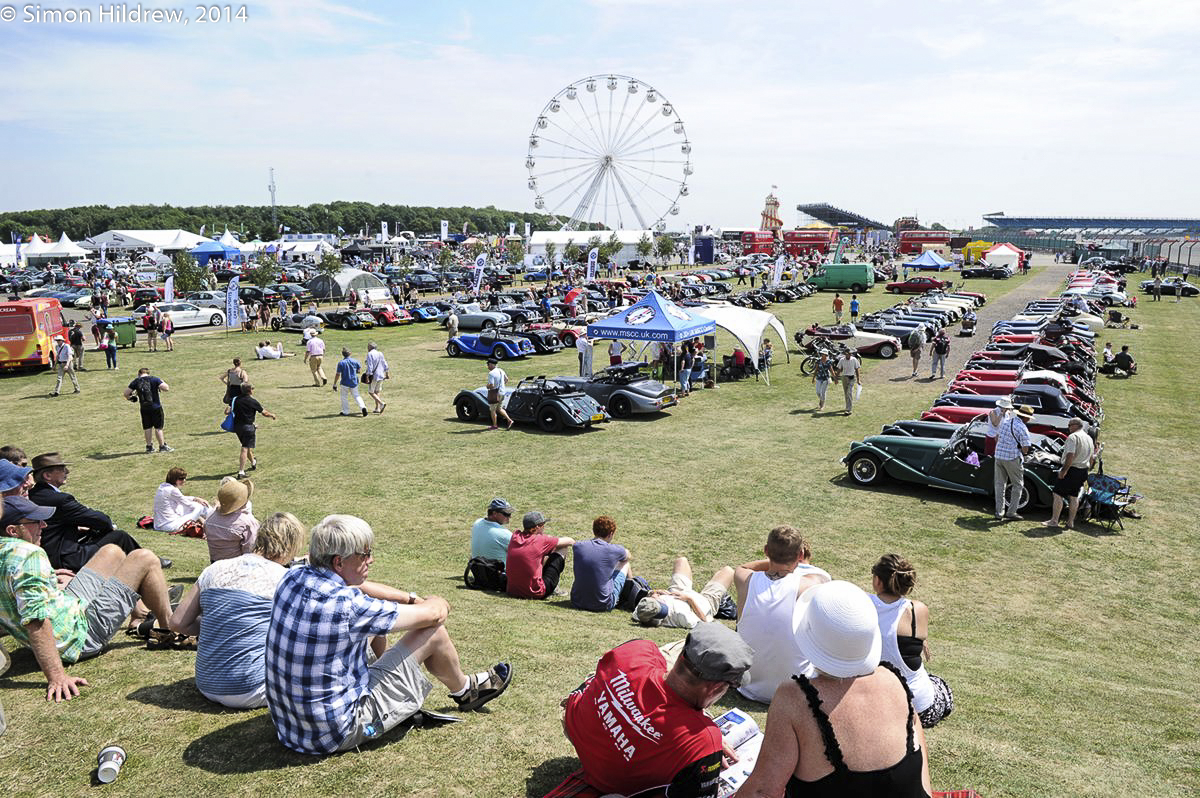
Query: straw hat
point(233, 495)
point(1024, 412)
point(837, 629)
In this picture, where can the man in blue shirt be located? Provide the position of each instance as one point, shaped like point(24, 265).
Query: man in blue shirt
point(489, 536)
point(323, 695)
point(601, 568)
point(347, 382)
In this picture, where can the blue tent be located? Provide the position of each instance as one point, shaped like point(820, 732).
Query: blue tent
point(929, 261)
point(652, 318)
point(215, 249)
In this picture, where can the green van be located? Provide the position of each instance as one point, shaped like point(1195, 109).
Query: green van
point(853, 277)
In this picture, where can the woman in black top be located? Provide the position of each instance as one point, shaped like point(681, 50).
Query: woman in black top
point(244, 409)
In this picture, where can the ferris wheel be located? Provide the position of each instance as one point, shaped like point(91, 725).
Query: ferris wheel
point(609, 149)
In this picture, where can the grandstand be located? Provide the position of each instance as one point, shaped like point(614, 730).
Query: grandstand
point(1094, 226)
point(824, 212)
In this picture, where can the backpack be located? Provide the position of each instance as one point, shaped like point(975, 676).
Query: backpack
point(145, 391)
point(484, 573)
point(941, 345)
point(636, 588)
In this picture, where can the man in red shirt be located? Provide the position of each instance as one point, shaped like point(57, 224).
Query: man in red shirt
point(637, 725)
point(535, 560)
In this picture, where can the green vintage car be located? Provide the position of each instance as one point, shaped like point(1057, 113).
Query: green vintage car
point(943, 463)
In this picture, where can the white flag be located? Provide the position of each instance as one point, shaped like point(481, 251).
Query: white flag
point(445, 229)
point(233, 314)
point(103, 247)
point(593, 256)
point(527, 231)
point(480, 262)
point(383, 230)
point(692, 255)
point(512, 228)
point(777, 274)
point(169, 289)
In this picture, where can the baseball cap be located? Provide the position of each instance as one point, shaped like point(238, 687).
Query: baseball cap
point(12, 475)
point(717, 653)
point(650, 611)
point(533, 519)
point(491, 361)
point(18, 508)
point(500, 504)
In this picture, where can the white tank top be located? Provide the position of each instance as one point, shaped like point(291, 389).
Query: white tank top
point(918, 680)
point(766, 625)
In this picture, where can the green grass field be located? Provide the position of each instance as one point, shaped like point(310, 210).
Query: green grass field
point(1069, 654)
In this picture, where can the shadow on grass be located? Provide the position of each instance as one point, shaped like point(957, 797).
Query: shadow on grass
point(248, 746)
point(546, 776)
point(207, 477)
point(207, 434)
point(476, 426)
point(181, 695)
point(296, 387)
point(117, 455)
point(333, 415)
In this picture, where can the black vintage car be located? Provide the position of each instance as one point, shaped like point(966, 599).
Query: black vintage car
point(624, 390)
point(545, 342)
point(536, 400)
point(986, 271)
point(347, 319)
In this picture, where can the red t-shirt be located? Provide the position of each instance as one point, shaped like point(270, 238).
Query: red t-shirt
point(633, 733)
point(523, 566)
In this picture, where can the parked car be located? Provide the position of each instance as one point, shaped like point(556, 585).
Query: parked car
point(347, 319)
point(986, 271)
point(225, 275)
point(918, 284)
point(863, 342)
point(297, 322)
point(252, 293)
point(387, 316)
point(473, 317)
point(1168, 286)
point(545, 342)
point(185, 314)
point(490, 343)
point(944, 464)
point(291, 291)
point(207, 299)
point(547, 403)
point(624, 390)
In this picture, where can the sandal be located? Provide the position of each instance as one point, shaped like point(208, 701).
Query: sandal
point(475, 697)
point(165, 639)
point(146, 630)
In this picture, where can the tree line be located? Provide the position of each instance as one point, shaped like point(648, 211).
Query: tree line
point(254, 221)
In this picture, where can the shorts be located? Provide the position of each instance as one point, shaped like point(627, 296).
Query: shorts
point(152, 417)
point(618, 584)
point(109, 602)
point(942, 706)
point(376, 387)
point(713, 592)
point(396, 688)
point(1068, 487)
point(246, 435)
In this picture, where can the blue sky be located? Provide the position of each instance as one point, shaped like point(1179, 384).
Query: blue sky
point(947, 110)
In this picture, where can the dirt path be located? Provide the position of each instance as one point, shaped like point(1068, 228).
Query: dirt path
point(1046, 281)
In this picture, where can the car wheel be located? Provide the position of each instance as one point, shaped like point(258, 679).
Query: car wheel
point(276, 324)
point(620, 407)
point(864, 469)
point(499, 352)
point(466, 410)
point(894, 290)
point(488, 324)
point(856, 288)
point(568, 339)
point(887, 351)
point(549, 419)
point(215, 320)
point(453, 349)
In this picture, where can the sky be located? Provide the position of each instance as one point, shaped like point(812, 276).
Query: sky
point(944, 110)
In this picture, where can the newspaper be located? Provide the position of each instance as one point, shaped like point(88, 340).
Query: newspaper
point(741, 733)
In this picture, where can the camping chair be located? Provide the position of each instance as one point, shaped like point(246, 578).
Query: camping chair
point(1117, 319)
point(1108, 498)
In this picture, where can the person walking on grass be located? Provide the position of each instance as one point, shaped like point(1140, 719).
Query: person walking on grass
point(838, 304)
point(145, 390)
point(916, 343)
point(938, 349)
point(497, 379)
point(64, 363)
point(821, 374)
point(348, 370)
point(377, 372)
point(850, 370)
point(244, 407)
point(314, 354)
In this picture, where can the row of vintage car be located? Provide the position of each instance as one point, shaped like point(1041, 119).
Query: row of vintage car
point(1043, 358)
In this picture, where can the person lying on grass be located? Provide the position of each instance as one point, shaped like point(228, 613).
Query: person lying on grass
point(326, 612)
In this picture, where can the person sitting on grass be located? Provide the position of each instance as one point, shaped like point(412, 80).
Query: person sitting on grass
point(601, 568)
point(535, 560)
point(264, 351)
point(64, 618)
point(681, 606)
point(231, 529)
point(767, 592)
point(171, 508)
point(229, 608)
point(326, 611)
point(489, 536)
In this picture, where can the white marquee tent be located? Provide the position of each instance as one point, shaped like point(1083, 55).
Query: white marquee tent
point(65, 249)
point(560, 238)
point(747, 325)
point(158, 240)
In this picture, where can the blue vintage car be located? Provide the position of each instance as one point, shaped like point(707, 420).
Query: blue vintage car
point(490, 343)
point(425, 312)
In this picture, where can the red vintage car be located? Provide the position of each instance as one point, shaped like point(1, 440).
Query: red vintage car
point(865, 343)
point(389, 316)
point(917, 285)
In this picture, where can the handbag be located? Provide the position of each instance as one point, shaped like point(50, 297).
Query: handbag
point(227, 423)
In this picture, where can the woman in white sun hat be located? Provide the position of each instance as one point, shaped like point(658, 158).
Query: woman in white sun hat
point(852, 729)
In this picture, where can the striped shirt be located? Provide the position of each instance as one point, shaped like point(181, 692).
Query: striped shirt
point(317, 656)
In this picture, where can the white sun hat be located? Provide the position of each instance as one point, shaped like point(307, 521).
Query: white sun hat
point(837, 629)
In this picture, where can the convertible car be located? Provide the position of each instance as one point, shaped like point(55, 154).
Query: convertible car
point(545, 402)
point(347, 319)
point(297, 322)
point(565, 330)
point(425, 313)
point(986, 271)
point(545, 342)
point(473, 317)
point(866, 343)
point(389, 316)
point(945, 464)
point(1169, 285)
point(489, 343)
point(624, 390)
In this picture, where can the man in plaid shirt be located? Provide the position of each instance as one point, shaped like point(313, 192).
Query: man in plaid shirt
point(324, 695)
point(1012, 444)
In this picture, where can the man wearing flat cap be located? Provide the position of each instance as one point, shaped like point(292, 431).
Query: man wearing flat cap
point(637, 725)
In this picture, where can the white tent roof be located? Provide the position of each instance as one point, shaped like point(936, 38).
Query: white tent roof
point(227, 239)
point(8, 254)
point(146, 239)
point(66, 248)
point(35, 247)
point(539, 238)
point(745, 324)
point(307, 247)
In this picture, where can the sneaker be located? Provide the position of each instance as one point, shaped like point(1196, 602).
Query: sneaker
point(364, 412)
point(499, 677)
point(241, 475)
point(1014, 517)
point(54, 393)
point(149, 449)
point(324, 381)
point(253, 464)
point(165, 448)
